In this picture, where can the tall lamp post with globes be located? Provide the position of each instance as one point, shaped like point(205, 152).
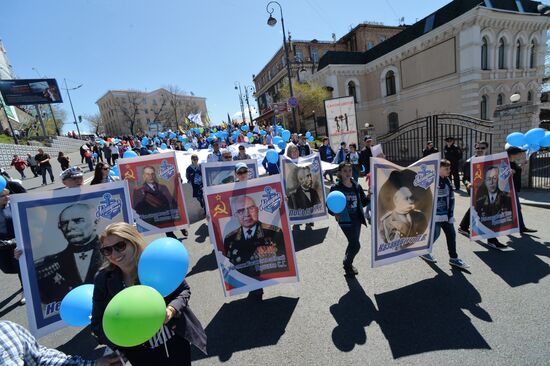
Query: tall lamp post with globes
point(71, 102)
point(238, 88)
point(271, 21)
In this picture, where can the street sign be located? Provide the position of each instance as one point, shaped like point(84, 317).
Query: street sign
point(293, 102)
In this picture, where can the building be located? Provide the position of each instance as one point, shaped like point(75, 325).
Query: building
point(131, 111)
point(468, 58)
point(304, 59)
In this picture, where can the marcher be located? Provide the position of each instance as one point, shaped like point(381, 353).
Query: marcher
point(516, 154)
point(193, 174)
point(43, 161)
point(341, 154)
point(31, 162)
point(242, 155)
point(114, 153)
point(216, 154)
point(351, 219)
point(107, 152)
point(327, 155)
point(444, 217)
point(429, 149)
point(19, 164)
point(303, 147)
point(101, 174)
point(88, 156)
point(271, 168)
point(72, 177)
point(352, 157)
point(453, 153)
point(366, 154)
point(63, 160)
point(121, 246)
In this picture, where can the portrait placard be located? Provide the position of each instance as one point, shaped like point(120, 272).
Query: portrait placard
point(215, 173)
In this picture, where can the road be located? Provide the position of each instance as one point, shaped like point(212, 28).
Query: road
point(408, 313)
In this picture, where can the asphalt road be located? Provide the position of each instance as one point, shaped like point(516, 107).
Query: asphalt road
point(408, 313)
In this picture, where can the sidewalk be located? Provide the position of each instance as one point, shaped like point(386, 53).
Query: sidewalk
point(537, 198)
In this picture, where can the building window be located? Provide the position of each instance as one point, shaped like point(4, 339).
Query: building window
point(484, 54)
point(314, 55)
point(529, 96)
point(483, 107)
point(370, 44)
point(352, 92)
point(393, 121)
point(501, 54)
point(500, 99)
point(532, 60)
point(381, 38)
point(518, 55)
point(299, 55)
point(390, 83)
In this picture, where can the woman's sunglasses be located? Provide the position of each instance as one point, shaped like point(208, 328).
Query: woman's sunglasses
point(119, 247)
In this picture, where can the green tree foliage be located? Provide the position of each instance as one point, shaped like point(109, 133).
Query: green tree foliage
point(310, 97)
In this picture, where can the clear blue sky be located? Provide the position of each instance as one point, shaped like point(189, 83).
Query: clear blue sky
point(200, 46)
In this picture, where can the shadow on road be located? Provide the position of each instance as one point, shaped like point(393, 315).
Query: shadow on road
point(428, 315)
point(304, 239)
point(245, 324)
point(353, 312)
point(202, 233)
point(83, 344)
point(519, 266)
point(204, 264)
point(6, 309)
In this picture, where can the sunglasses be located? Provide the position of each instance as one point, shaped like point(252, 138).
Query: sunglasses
point(119, 247)
point(106, 168)
point(481, 148)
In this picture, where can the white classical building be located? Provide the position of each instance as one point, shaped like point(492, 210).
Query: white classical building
point(468, 57)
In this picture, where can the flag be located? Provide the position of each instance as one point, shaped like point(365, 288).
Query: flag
point(228, 120)
point(196, 118)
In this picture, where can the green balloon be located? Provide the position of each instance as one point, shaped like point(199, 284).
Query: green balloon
point(134, 315)
point(201, 130)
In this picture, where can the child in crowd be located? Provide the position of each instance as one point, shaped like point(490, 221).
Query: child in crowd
point(444, 217)
point(352, 157)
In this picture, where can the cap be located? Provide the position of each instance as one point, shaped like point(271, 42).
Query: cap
point(514, 150)
point(342, 143)
point(240, 165)
point(450, 138)
point(72, 172)
point(367, 138)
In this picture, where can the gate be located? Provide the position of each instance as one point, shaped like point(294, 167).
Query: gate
point(404, 146)
point(539, 170)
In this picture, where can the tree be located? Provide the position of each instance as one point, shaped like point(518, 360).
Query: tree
point(175, 107)
point(310, 97)
point(129, 107)
point(96, 123)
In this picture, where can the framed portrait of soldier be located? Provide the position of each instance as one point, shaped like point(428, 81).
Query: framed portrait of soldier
point(250, 232)
point(215, 173)
point(304, 188)
point(403, 209)
point(493, 198)
point(155, 192)
point(58, 232)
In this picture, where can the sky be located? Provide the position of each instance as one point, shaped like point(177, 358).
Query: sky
point(202, 47)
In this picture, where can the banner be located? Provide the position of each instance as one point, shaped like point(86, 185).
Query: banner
point(403, 209)
point(30, 91)
point(341, 121)
point(304, 188)
point(493, 198)
point(58, 232)
point(250, 232)
point(222, 172)
point(156, 192)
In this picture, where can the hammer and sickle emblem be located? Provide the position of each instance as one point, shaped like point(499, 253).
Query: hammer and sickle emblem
point(129, 175)
point(220, 208)
point(478, 174)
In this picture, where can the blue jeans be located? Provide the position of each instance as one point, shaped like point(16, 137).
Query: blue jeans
point(450, 234)
point(351, 231)
point(46, 169)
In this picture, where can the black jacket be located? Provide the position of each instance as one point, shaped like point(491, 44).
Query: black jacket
point(108, 283)
point(323, 151)
point(364, 158)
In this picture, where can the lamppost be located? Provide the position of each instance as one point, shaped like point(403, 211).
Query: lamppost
point(71, 102)
point(271, 21)
point(315, 123)
point(246, 89)
point(238, 87)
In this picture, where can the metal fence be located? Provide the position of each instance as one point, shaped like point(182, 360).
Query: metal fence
point(539, 170)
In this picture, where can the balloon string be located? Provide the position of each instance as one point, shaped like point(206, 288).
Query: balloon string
point(164, 339)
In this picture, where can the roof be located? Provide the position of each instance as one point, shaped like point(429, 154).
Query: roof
point(438, 18)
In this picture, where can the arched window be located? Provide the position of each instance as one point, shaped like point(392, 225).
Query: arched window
point(518, 55)
point(483, 107)
point(532, 55)
point(529, 96)
point(484, 54)
point(501, 54)
point(500, 99)
point(393, 121)
point(390, 83)
point(352, 92)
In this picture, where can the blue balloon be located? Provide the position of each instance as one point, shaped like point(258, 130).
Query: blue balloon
point(533, 149)
point(249, 135)
point(145, 141)
point(285, 135)
point(516, 139)
point(129, 154)
point(156, 152)
point(272, 156)
point(244, 128)
point(209, 139)
point(163, 265)
point(162, 135)
point(187, 146)
point(95, 155)
point(263, 133)
point(76, 306)
point(545, 141)
point(114, 170)
point(310, 138)
point(172, 135)
point(336, 202)
point(157, 140)
point(180, 138)
point(163, 146)
point(308, 134)
point(534, 135)
point(282, 145)
point(277, 139)
point(3, 183)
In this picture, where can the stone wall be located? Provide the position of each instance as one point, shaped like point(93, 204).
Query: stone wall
point(515, 117)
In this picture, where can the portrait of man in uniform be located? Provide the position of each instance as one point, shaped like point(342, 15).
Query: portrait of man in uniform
point(491, 202)
point(254, 248)
point(153, 202)
point(78, 263)
point(305, 196)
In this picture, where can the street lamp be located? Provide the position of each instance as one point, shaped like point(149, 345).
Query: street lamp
point(246, 89)
point(71, 102)
point(271, 21)
point(238, 87)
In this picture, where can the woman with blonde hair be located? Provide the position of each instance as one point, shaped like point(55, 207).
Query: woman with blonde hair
point(121, 246)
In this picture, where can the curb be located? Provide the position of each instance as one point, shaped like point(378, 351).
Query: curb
point(534, 203)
